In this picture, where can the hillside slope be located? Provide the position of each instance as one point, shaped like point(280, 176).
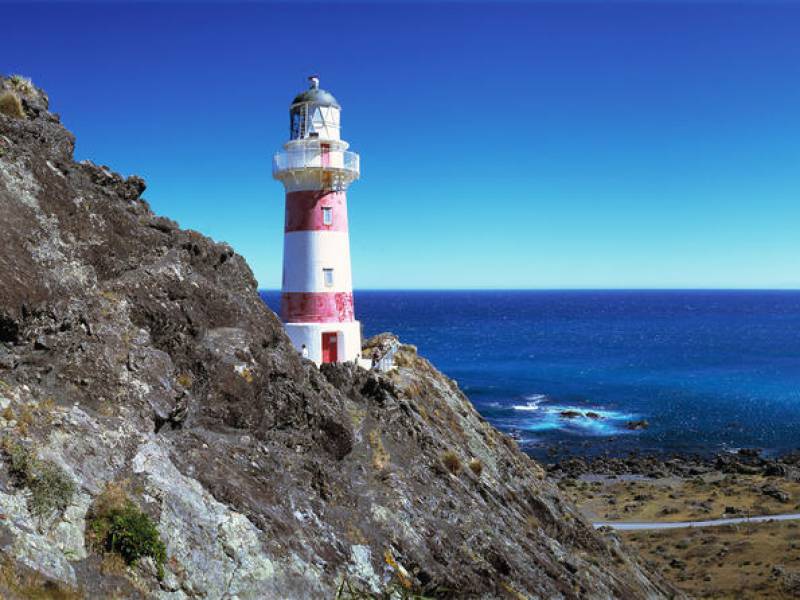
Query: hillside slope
point(144, 382)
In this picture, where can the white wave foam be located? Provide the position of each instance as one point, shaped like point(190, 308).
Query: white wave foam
point(533, 402)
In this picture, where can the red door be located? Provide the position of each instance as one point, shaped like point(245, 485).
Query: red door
point(325, 154)
point(330, 352)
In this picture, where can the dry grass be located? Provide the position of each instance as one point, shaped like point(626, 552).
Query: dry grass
point(26, 417)
point(755, 561)
point(11, 105)
point(185, 380)
point(406, 356)
point(513, 592)
point(415, 391)
point(111, 296)
point(26, 583)
point(355, 535)
point(380, 457)
point(532, 522)
point(113, 497)
point(476, 466)
point(452, 462)
point(29, 415)
point(680, 500)
point(113, 564)
point(752, 561)
point(21, 84)
point(247, 374)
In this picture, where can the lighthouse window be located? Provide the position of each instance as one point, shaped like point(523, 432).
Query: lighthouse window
point(327, 215)
point(327, 275)
point(297, 124)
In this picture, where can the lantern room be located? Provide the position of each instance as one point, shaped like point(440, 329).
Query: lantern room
point(314, 114)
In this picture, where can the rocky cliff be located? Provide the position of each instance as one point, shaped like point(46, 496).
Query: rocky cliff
point(161, 438)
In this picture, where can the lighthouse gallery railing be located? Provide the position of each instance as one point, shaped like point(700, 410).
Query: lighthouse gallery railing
point(323, 158)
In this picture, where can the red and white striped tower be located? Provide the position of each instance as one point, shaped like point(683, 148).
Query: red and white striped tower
point(317, 291)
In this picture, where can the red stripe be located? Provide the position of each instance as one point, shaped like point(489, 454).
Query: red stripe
point(304, 210)
point(317, 307)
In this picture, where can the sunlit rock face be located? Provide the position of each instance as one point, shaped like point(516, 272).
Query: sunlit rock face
point(140, 369)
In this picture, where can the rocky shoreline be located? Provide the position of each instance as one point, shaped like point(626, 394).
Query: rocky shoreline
point(746, 461)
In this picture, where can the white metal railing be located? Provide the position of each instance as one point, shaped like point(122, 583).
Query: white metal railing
point(331, 159)
point(386, 362)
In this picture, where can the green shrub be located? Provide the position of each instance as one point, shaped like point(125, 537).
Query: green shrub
point(11, 105)
point(117, 525)
point(51, 489)
point(132, 534)
point(21, 461)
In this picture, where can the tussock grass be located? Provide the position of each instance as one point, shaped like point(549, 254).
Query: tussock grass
point(185, 380)
point(452, 462)
point(22, 84)
point(476, 466)
point(380, 457)
point(11, 105)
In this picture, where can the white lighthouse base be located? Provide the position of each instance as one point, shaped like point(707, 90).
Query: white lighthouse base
point(348, 340)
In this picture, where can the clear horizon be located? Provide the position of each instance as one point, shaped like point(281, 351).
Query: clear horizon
point(525, 146)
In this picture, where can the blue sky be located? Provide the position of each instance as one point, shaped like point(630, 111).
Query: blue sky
point(524, 145)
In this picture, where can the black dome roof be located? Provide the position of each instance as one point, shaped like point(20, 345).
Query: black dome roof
point(317, 96)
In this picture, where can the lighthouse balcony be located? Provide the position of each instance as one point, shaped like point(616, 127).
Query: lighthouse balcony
point(333, 163)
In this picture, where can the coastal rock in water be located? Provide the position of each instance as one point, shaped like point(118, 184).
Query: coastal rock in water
point(749, 452)
point(637, 425)
point(570, 414)
point(140, 370)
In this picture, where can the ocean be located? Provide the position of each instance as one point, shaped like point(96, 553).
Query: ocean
point(708, 370)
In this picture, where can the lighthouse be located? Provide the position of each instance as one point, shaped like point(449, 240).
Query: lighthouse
point(316, 168)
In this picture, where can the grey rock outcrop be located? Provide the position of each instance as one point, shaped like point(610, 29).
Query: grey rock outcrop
point(137, 354)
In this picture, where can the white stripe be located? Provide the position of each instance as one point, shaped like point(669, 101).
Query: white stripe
point(307, 253)
point(310, 335)
point(309, 179)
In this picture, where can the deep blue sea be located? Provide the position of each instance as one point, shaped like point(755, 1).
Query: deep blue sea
point(708, 370)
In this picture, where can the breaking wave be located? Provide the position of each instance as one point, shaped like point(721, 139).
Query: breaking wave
point(541, 416)
point(533, 402)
